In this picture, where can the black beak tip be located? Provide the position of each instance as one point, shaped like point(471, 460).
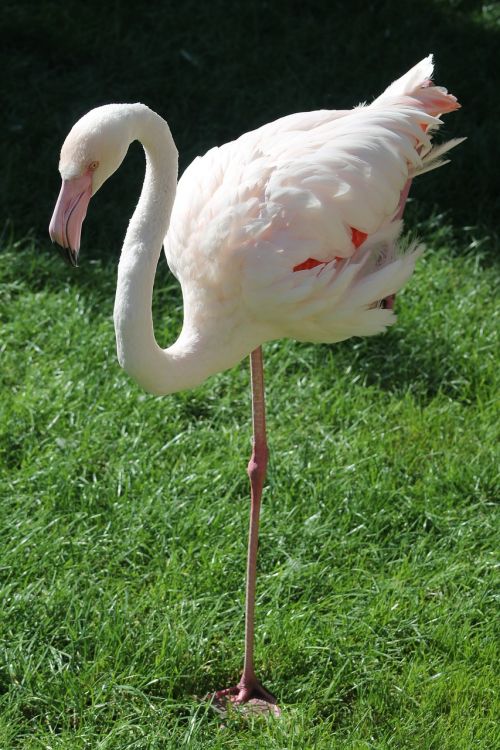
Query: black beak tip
point(69, 256)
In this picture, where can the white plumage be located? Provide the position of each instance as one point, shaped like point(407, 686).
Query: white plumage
point(250, 211)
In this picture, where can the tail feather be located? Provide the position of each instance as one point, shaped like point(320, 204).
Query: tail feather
point(416, 87)
point(417, 77)
point(432, 159)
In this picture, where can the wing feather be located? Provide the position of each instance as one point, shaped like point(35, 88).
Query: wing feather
point(247, 213)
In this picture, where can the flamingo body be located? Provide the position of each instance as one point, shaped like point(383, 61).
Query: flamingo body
point(250, 216)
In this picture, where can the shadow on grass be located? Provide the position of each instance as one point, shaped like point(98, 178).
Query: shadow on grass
point(403, 361)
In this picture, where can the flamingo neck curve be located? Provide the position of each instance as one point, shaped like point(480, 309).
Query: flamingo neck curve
point(182, 365)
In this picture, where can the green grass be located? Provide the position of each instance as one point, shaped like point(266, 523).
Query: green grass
point(124, 526)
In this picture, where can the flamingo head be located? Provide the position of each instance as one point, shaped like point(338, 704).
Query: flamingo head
point(94, 149)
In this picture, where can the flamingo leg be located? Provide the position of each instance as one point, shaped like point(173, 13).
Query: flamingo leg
point(402, 201)
point(388, 303)
point(249, 689)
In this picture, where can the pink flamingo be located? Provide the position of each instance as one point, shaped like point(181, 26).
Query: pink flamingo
point(291, 230)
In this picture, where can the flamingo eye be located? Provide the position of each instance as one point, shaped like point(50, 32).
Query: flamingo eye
point(93, 166)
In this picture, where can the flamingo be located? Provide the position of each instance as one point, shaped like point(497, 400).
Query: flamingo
point(291, 230)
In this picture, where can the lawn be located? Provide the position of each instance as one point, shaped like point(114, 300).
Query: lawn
point(124, 520)
point(123, 517)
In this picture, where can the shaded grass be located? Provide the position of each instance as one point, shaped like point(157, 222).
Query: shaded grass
point(124, 525)
point(215, 70)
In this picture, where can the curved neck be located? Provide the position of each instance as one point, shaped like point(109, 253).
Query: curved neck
point(157, 370)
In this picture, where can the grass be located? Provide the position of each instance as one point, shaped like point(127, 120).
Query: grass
point(123, 518)
point(124, 526)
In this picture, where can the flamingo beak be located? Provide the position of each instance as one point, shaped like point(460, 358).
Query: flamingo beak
point(71, 208)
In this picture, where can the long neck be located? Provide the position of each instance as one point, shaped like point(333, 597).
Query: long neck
point(157, 370)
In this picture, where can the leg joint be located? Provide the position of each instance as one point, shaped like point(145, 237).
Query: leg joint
point(258, 462)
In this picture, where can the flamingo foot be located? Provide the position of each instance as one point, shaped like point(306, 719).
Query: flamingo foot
point(248, 696)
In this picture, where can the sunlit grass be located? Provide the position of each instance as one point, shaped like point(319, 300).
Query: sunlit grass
point(124, 525)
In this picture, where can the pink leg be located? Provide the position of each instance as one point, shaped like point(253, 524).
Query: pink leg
point(402, 201)
point(249, 687)
point(388, 303)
